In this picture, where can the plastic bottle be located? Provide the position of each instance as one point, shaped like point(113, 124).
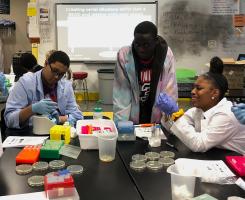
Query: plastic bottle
point(98, 111)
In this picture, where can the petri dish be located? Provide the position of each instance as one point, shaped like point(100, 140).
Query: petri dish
point(57, 164)
point(40, 166)
point(35, 181)
point(75, 169)
point(167, 154)
point(23, 169)
point(139, 157)
point(137, 165)
point(154, 165)
point(152, 155)
point(166, 161)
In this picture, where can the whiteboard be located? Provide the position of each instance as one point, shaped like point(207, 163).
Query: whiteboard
point(94, 32)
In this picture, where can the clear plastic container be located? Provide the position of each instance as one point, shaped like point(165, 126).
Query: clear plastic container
point(107, 147)
point(155, 139)
point(90, 141)
point(182, 185)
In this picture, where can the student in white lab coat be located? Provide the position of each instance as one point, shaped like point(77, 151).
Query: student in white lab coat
point(210, 123)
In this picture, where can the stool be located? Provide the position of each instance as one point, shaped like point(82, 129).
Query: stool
point(80, 84)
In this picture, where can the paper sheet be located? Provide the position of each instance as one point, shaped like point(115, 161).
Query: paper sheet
point(38, 196)
point(204, 168)
point(21, 141)
point(34, 195)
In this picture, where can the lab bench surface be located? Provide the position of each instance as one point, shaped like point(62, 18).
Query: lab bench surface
point(116, 180)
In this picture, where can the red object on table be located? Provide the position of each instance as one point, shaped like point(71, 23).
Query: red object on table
point(28, 155)
point(237, 163)
point(59, 184)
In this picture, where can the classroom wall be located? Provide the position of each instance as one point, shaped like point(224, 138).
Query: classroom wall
point(19, 41)
point(189, 27)
point(191, 48)
point(196, 33)
point(49, 43)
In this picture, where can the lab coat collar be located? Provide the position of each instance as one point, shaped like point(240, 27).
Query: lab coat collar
point(40, 83)
point(214, 109)
point(61, 88)
point(133, 78)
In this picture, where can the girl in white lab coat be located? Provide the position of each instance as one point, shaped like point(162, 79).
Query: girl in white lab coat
point(210, 123)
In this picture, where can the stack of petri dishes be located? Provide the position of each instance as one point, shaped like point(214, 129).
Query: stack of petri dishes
point(167, 158)
point(152, 160)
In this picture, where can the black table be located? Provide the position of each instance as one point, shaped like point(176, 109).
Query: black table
point(157, 185)
point(116, 180)
point(98, 181)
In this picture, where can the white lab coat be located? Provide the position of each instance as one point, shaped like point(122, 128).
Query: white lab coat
point(217, 127)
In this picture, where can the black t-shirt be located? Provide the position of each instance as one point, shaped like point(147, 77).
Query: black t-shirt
point(144, 77)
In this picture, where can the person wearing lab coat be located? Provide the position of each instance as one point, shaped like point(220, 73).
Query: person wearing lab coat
point(143, 71)
point(45, 92)
point(210, 123)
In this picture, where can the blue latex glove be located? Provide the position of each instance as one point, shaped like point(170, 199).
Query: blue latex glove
point(239, 112)
point(54, 117)
point(166, 104)
point(44, 106)
point(3, 89)
point(72, 120)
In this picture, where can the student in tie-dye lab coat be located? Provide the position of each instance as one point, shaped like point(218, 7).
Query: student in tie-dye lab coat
point(143, 71)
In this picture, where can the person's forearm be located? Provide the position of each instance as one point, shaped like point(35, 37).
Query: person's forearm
point(25, 114)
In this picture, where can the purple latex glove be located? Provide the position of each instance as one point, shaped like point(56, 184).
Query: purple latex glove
point(166, 104)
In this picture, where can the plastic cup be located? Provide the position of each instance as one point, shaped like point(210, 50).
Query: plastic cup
point(182, 185)
point(107, 147)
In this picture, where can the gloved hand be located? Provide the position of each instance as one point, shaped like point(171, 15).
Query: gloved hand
point(54, 117)
point(166, 104)
point(44, 106)
point(239, 112)
point(72, 120)
point(3, 89)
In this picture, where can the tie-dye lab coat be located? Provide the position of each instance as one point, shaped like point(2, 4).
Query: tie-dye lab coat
point(126, 90)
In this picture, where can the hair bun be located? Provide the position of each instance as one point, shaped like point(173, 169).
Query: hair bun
point(215, 73)
point(216, 65)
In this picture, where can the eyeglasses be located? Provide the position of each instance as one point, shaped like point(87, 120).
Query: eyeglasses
point(56, 73)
